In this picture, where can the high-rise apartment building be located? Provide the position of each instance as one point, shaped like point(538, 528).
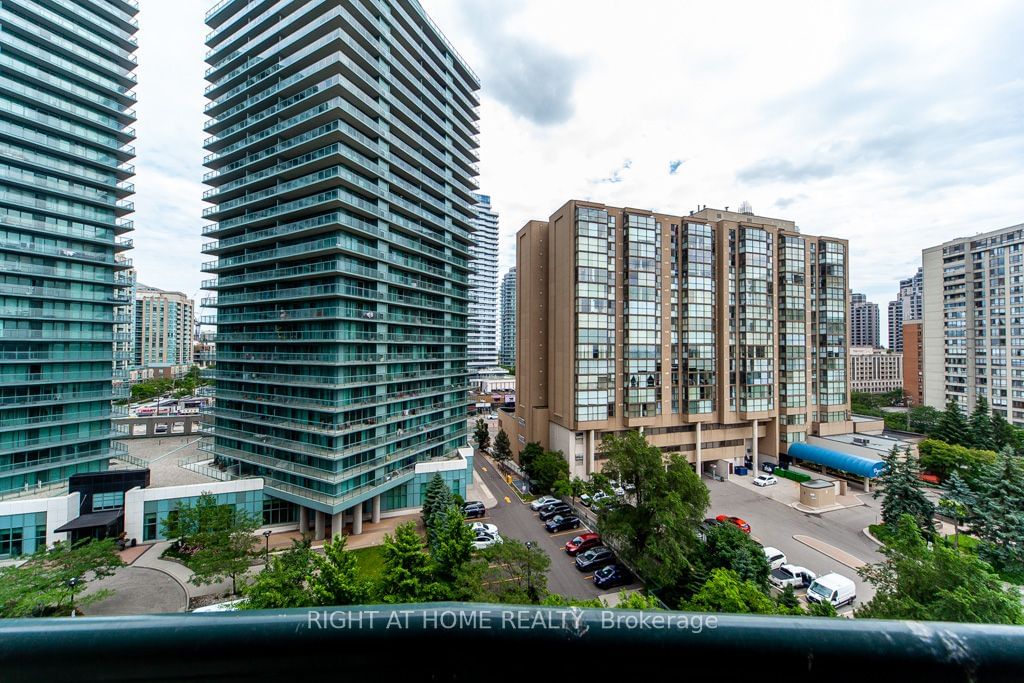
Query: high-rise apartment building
point(973, 327)
point(913, 365)
point(864, 322)
point(507, 354)
point(343, 164)
point(483, 287)
point(875, 371)
point(65, 132)
point(164, 328)
point(720, 334)
point(907, 306)
point(124, 332)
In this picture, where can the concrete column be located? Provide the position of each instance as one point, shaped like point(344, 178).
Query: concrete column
point(375, 515)
point(303, 519)
point(591, 450)
point(699, 473)
point(338, 524)
point(320, 520)
point(357, 519)
point(867, 485)
point(755, 446)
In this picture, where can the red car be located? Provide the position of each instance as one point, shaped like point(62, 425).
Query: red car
point(744, 527)
point(582, 542)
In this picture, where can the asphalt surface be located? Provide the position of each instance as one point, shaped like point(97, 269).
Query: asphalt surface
point(515, 519)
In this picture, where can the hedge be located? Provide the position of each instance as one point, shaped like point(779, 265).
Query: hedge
point(798, 477)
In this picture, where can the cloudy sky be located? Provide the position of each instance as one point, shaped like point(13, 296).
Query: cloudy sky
point(894, 125)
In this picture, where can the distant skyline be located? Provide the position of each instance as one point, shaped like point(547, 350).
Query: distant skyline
point(896, 127)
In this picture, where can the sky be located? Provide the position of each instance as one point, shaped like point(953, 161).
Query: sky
point(896, 126)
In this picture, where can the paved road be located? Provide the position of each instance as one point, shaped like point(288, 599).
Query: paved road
point(774, 523)
point(137, 590)
point(516, 520)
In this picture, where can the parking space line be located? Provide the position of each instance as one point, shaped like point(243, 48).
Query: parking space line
point(564, 533)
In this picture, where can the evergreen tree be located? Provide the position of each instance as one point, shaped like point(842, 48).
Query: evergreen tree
point(982, 433)
point(952, 426)
point(956, 503)
point(502, 451)
point(433, 498)
point(1005, 434)
point(482, 435)
point(408, 571)
point(998, 516)
point(337, 581)
point(902, 492)
point(451, 548)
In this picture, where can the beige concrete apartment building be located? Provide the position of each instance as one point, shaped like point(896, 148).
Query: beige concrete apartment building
point(875, 371)
point(164, 324)
point(722, 335)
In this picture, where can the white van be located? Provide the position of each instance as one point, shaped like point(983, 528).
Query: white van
point(834, 588)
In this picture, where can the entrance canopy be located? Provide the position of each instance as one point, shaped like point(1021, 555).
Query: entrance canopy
point(844, 462)
point(92, 520)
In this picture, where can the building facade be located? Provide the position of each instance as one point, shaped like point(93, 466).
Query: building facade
point(722, 335)
point(913, 363)
point(343, 164)
point(907, 306)
point(483, 287)
point(973, 327)
point(875, 371)
point(65, 131)
point(164, 328)
point(507, 354)
point(864, 322)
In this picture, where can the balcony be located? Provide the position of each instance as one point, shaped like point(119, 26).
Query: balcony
point(337, 405)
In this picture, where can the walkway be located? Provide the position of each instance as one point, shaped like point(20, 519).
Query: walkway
point(831, 551)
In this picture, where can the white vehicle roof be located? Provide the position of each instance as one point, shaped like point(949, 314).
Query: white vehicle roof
point(834, 581)
point(769, 551)
point(796, 569)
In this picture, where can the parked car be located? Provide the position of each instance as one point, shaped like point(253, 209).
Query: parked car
point(768, 467)
point(482, 527)
point(542, 502)
point(776, 558)
point(616, 489)
point(486, 541)
point(561, 523)
point(600, 496)
point(791, 575)
point(552, 506)
point(834, 588)
point(611, 576)
point(473, 508)
point(551, 513)
point(744, 527)
point(582, 543)
point(585, 500)
point(765, 480)
point(492, 416)
point(594, 558)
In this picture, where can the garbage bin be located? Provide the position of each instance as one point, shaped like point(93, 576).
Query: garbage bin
point(742, 471)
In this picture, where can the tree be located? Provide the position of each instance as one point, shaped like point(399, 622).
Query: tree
point(923, 419)
point(528, 454)
point(336, 580)
point(982, 435)
point(821, 609)
point(513, 572)
point(902, 491)
point(408, 571)
point(935, 582)
point(502, 450)
point(998, 518)
point(787, 600)
point(482, 435)
point(657, 534)
point(726, 547)
point(215, 540)
point(1005, 434)
point(942, 459)
point(638, 600)
point(724, 591)
point(546, 469)
point(282, 583)
point(574, 488)
point(451, 547)
point(436, 498)
point(956, 503)
point(952, 426)
point(49, 582)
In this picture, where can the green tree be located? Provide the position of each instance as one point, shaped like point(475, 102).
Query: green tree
point(952, 426)
point(726, 547)
point(923, 419)
point(998, 518)
point(436, 498)
point(821, 609)
point(935, 582)
point(50, 581)
point(638, 600)
point(336, 580)
point(482, 435)
point(408, 570)
point(956, 503)
point(282, 583)
point(528, 454)
point(451, 548)
point(657, 534)
point(502, 450)
point(215, 540)
point(1005, 434)
point(513, 572)
point(942, 459)
point(724, 591)
point(573, 488)
point(982, 434)
point(902, 491)
point(787, 600)
point(556, 600)
point(546, 469)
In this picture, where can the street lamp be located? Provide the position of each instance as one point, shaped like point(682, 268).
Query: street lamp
point(266, 553)
point(72, 583)
point(529, 576)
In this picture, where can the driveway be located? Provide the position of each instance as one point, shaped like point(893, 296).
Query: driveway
point(137, 590)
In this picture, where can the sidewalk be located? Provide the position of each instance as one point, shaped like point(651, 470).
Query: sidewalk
point(373, 534)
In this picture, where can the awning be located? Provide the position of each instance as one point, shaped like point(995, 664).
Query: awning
point(91, 520)
point(844, 462)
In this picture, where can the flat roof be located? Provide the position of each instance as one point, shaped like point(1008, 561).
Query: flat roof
point(875, 442)
point(92, 520)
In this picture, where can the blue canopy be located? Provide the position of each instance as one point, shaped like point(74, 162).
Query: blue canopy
point(845, 462)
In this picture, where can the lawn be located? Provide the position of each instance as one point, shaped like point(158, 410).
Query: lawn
point(370, 561)
point(968, 544)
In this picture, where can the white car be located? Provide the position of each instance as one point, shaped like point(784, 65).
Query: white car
point(484, 528)
point(765, 480)
point(791, 575)
point(600, 496)
point(543, 501)
point(585, 500)
point(486, 541)
point(776, 558)
point(616, 489)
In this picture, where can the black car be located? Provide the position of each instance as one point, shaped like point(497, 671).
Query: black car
point(611, 576)
point(551, 506)
point(473, 509)
point(594, 559)
point(553, 511)
point(560, 523)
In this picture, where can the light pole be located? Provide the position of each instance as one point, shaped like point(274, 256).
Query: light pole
point(72, 583)
point(529, 575)
point(266, 553)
